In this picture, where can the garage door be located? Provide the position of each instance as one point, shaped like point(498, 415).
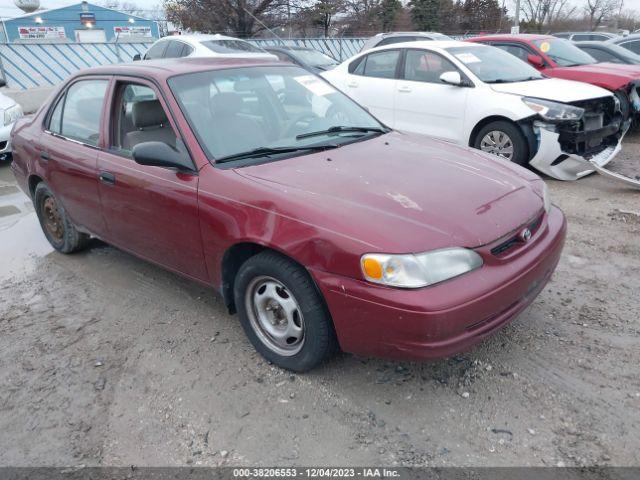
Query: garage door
point(91, 36)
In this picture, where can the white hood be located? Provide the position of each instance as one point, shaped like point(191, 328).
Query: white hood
point(5, 102)
point(555, 89)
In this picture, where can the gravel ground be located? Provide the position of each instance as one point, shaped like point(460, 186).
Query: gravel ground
point(108, 360)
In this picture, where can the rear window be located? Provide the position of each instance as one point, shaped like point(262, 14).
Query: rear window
point(231, 46)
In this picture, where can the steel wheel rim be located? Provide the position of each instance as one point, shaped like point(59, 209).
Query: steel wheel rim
point(498, 143)
point(275, 315)
point(52, 219)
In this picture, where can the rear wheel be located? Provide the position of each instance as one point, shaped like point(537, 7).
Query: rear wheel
point(504, 139)
point(282, 313)
point(55, 222)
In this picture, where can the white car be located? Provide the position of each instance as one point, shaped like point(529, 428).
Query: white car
point(178, 46)
point(10, 111)
point(483, 97)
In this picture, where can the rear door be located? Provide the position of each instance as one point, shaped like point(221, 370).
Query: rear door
point(371, 81)
point(69, 151)
point(150, 211)
point(423, 103)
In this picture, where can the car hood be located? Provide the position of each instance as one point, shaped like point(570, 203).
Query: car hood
point(406, 193)
point(6, 102)
point(552, 89)
point(611, 76)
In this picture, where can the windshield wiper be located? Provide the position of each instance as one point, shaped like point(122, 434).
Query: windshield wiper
point(266, 151)
point(340, 129)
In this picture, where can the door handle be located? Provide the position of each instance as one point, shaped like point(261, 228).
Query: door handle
point(404, 88)
point(44, 155)
point(352, 84)
point(108, 178)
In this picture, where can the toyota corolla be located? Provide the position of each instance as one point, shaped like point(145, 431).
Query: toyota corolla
point(321, 227)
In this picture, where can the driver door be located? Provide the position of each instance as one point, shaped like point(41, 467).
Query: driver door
point(423, 103)
point(149, 211)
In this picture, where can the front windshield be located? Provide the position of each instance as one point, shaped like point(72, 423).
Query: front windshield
point(493, 65)
point(243, 109)
point(563, 52)
point(315, 58)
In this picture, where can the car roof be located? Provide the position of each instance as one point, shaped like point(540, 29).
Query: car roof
point(521, 36)
point(400, 34)
point(288, 47)
point(632, 36)
point(428, 44)
point(164, 68)
point(198, 37)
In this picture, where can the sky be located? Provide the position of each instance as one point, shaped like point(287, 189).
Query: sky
point(8, 9)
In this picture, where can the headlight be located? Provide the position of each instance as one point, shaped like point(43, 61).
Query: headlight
point(553, 110)
point(12, 113)
point(541, 189)
point(418, 270)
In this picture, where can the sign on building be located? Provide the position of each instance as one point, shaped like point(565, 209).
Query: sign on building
point(41, 33)
point(133, 31)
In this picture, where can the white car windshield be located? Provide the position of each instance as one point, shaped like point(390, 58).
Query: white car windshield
point(249, 112)
point(492, 65)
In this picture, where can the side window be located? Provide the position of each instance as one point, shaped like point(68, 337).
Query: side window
point(156, 51)
point(424, 66)
point(600, 38)
point(583, 37)
point(138, 117)
point(82, 111)
point(55, 119)
point(633, 46)
point(186, 50)
point(601, 55)
point(174, 49)
point(381, 64)
point(357, 66)
point(516, 50)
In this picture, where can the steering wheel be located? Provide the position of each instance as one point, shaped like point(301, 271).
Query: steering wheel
point(306, 117)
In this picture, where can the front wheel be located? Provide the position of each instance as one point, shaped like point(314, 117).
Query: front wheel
point(503, 139)
point(282, 313)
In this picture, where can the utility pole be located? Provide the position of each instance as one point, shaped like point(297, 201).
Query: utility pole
point(515, 29)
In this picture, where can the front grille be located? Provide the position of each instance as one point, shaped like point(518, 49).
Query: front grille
point(515, 240)
point(598, 129)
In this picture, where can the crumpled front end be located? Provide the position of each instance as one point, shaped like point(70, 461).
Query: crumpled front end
point(569, 150)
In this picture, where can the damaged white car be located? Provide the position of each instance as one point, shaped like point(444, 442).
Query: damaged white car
point(484, 97)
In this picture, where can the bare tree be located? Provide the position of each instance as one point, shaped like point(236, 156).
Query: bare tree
point(243, 18)
point(599, 10)
point(539, 14)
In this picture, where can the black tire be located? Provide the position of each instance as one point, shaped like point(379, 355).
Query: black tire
point(520, 146)
point(319, 342)
point(61, 233)
point(625, 103)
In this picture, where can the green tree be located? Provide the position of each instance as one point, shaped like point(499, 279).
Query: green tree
point(388, 11)
point(425, 14)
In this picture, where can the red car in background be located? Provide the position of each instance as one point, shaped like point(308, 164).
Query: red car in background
point(559, 58)
point(320, 226)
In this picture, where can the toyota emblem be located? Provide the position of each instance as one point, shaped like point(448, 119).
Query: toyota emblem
point(525, 235)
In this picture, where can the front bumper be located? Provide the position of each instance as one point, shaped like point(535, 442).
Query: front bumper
point(450, 317)
point(5, 142)
point(551, 160)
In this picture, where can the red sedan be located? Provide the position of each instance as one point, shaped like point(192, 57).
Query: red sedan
point(321, 227)
point(560, 58)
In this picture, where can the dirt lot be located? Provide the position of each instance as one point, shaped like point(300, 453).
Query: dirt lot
point(107, 360)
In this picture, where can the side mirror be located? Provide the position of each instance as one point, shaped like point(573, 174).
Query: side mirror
point(451, 78)
point(159, 154)
point(535, 60)
point(136, 57)
point(3, 82)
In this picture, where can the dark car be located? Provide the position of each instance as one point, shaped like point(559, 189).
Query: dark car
point(586, 36)
point(321, 235)
point(308, 58)
point(609, 52)
point(630, 42)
